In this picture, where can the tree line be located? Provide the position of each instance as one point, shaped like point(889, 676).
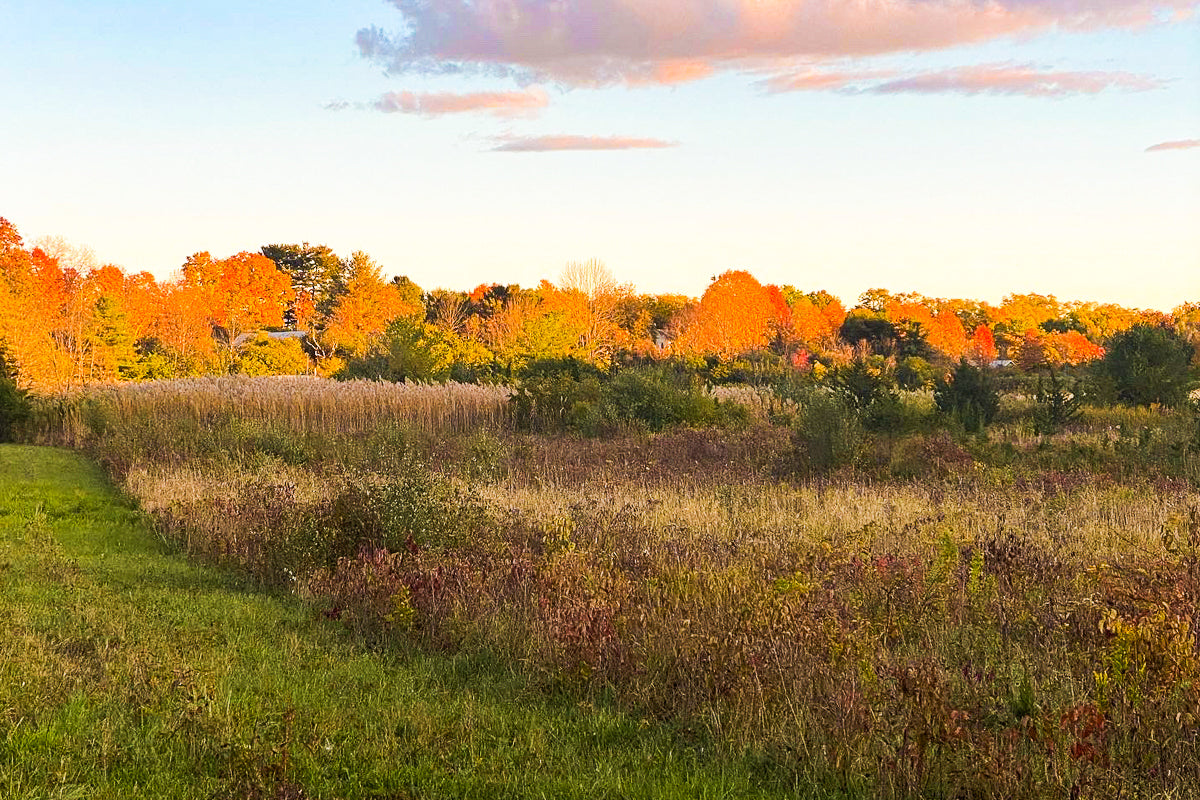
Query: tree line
point(300, 308)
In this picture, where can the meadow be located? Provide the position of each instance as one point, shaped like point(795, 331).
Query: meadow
point(950, 615)
point(126, 671)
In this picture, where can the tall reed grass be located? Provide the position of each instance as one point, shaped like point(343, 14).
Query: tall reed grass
point(302, 404)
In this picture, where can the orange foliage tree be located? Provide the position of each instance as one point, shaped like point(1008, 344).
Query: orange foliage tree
point(947, 335)
point(589, 299)
point(734, 317)
point(982, 349)
point(242, 293)
point(816, 319)
point(362, 313)
point(1073, 348)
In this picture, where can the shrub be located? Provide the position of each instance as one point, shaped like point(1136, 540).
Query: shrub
point(555, 393)
point(868, 385)
point(1146, 364)
point(828, 434)
point(967, 397)
point(656, 400)
point(561, 394)
point(899, 413)
point(914, 373)
point(419, 351)
point(1056, 405)
point(409, 506)
point(263, 355)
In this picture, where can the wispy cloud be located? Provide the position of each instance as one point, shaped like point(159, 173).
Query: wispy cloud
point(543, 144)
point(595, 42)
point(1004, 79)
point(1015, 80)
point(1178, 144)
point(822, 80)
point(502, 104)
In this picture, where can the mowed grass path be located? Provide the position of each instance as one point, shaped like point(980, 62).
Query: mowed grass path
point(126, 671)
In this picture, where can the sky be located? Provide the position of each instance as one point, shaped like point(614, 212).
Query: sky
point(958, 148)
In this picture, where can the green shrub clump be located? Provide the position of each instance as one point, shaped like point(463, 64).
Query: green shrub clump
point(968, 397)
point(1145, 365)
point(568, 394)
point(827, 434)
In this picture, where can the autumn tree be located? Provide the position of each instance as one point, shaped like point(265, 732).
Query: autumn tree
point(184, 329)
point(264, 355)
point(1072, 348)
point(420, 351)
point(817, 317)
point(364, 310)
point(1021, 312)
point(645, 320)
point(447, 309)
point(947, 335)
point(734, 317)
point(410, 292)
point(242, 293)
point(590, 298)
point(1030, 352)
point(982, 348)
point(42, 314)
point(526, 329)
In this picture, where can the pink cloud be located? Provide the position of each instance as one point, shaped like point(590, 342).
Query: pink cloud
point(591, 42)
point(1015, 80)
point(669, 72)
point(542, 144)
point(817, 80)
point(1179, 144)
point(504, 104)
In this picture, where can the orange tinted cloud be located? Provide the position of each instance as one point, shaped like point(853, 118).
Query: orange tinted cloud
point(1015, 80)
point(590, 42)
point(816, 80)
point(504, 104)
point(670, 72)
point(1179, 144)
point(542, 144)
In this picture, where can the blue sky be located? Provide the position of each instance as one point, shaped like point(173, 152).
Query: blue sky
point(1013, 160)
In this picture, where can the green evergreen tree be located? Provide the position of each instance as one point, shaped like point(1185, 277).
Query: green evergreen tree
point(968, 397)
point(109, 339)
point(1146, 364)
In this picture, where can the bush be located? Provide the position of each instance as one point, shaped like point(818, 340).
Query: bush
point(915, 373)
point(656, 400)
point(555, 393)
point(568, 394)
point(264, 355)
point(409, 509)
point(864, 382)
point(1144, 365)
point(828, 434)
point(967, 397)
point(14, 402)
point(419, 351)
point(868, 385)
point(1056, 405)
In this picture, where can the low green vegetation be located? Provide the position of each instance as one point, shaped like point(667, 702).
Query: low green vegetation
point(127, 672)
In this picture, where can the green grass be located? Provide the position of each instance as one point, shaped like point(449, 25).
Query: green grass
point(126, 671)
